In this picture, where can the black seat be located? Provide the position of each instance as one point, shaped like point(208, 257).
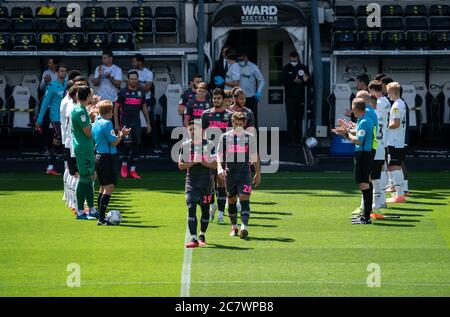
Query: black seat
point(416, 23)
point(116, 13)
point(120, 26)
point(93, 13)
point(141, 12)
point(392, 23)
point(361, 23)
point(95, 25)
point(44, 13)
point(49, 41)
point(4, 13)
point(362, 11)
point(5, 26)
point(391, 10)
point(393, 40)
point(24, 26)
point(48, 26)
point(65, 28)
point(345, 40)
point(440, 40)
point(143, 30)
point(369, 40)
point(166, 20)
point(344, 24)
point(73, 41)
point(416, 10)
point(348, 11)
point(417, 40)
point(439, 23)
point(97, 41)
point(24, 41)
point(5, 41)
point(21, 13)
point(122, 41)
point(441, 10)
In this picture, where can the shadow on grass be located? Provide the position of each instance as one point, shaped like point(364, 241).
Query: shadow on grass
point(277, 239)
point(227, 247)
point(410, 209)
point(263, 226)
point(282, 213)
point(266, 218)
point(139, 226)
point(401, 220)
point(402, 215)
point(425, 203)
point(385, 224)
point(264, 203)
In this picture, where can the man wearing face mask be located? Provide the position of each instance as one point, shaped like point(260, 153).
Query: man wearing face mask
point(295, 77)
point(252, 83)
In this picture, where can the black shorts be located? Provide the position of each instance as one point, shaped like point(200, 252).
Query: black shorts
point(199, 193)
point(363, 164)
point(377, 167)
point(56, 133)
point(66, 154)
point(72, 162)
point(135, 134)
point(238, 183)
point(397, 155)
point(105, 168)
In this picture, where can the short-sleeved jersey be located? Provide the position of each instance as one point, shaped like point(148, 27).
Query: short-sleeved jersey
point(396, 137)
point(235, 150)
point(187, 96)
point(197, 173)
point(106, 89)
point(371, 113)
point(103, 134)
point(62, 116)
point(383, 108)
point(194, 108)
point(364, 133)
point(130, 103)
point(216, 119)
point(80, 120)
point(250, 117)
point(145, 75)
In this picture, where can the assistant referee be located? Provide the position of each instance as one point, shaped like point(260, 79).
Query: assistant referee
point(106, 141)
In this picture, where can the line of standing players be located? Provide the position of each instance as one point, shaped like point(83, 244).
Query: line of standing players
point(218, 157)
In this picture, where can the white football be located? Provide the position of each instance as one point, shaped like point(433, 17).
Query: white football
point(114, 217)
point(311, 142)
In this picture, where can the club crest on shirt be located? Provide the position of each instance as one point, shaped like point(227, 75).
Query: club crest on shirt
point(113, 133)
point(83, 118)
point(361, 133)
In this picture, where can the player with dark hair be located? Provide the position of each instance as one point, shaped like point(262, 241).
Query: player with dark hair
point(130, 102)
point(84, 152)
point(106, 141)
point(197, 157)
point(239, 106)
point(363, 140)
point(216, 121)
point(236, 152)
point(107, 77)
point(52, 101)
point(362, 82)
point(189, 94)
point(379, 77)
point(197, 105)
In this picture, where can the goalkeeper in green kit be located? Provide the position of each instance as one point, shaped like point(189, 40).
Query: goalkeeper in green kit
point(84, 152)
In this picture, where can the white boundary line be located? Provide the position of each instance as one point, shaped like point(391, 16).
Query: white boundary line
point(186, 270)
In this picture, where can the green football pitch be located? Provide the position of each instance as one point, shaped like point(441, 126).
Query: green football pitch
point(301, 241)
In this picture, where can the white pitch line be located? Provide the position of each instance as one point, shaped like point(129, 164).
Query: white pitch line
point(186, 271)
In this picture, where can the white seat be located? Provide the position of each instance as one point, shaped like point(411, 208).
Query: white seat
point(21, 96)
point(342, 93)
point(32, 82)
point(173, 94)
point(409, 96)
point(160, 80)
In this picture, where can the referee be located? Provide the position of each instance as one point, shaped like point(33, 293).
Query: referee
point(106, 141)
point(364, 155)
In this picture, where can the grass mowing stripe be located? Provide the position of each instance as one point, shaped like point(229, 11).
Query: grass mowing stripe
point(186, 271)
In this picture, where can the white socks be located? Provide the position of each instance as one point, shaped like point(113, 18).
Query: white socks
point(405, 185)
point(65, 178)
point(49, 167)
point(397, 178)
point(377, 193)
point(383, 183)
point(132, 168)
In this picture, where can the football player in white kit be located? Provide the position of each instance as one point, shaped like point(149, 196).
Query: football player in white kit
point(379, 179)
point(396, 141)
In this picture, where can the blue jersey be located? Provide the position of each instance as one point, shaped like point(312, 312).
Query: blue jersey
point(103, 134)
point(364, 133)
point(372, 114)
point(52, 100)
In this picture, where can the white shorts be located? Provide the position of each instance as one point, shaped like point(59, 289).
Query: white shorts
point(380, 153)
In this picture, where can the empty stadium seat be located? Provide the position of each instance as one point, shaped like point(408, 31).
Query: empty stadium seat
point(361, 23)
point(418, 23)
point(141, 12)
point(21, 13)
point(116, 13)
point(143, 30)
point(49, 41)
point(24, 26)
point(73, 41)
point(362, 11)
point(97, 41)
point(393, 40)
point(93, 13)
point(416, 10)
point(122, 41)
point(120, 26)
point(95, 26)
point(391, 10)
point(48, 26)
point(440, 40)
point(4, 13)
point(22, 104)
point(345, 40)
point(440, 10)
point(417, 40)
point(32, 82)
point(62, 13)
point(166, 20)
point(392, 23)
point(47, 12)
point(344, 24)
point(369, 40)
point(439, 23)
point(344, 11)
point(5, 41)
point(24, 41)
